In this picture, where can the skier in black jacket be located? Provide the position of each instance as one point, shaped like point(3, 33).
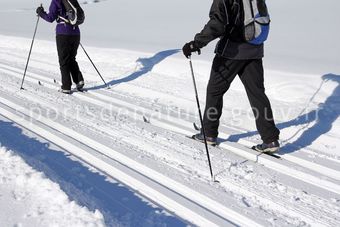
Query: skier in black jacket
point(234, 56)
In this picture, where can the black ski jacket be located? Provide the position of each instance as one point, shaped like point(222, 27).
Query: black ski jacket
point(226, 19)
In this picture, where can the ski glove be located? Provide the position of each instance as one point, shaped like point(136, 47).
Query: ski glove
point(189, 48)
point(40, 10)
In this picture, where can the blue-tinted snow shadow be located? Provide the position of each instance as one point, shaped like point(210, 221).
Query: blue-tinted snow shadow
point(322, 119)
point(147, 65)
point(119, 205)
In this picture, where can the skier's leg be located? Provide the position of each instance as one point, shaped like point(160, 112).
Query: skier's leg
point(77, 76)
point(64, 59)
point(222, 74)
point(252, 78)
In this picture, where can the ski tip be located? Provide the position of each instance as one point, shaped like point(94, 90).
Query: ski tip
point(146, 120)
point(196, 127)
point(214, 180)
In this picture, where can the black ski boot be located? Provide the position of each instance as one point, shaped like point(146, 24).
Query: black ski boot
point(80, 85)
point(210, 140)
point(271, 148)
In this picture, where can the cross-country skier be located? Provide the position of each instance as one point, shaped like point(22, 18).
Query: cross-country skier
point(234, 56)
point(68, 40)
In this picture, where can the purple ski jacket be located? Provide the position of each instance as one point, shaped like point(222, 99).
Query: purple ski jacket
point(57, 9)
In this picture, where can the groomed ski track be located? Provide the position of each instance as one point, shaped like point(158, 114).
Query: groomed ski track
point(178, 198)
point(103, 98)
point(182, 201)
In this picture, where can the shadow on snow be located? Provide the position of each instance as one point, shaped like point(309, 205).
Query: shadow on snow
point(147, 65)
point(119, 205)
point(322, 119)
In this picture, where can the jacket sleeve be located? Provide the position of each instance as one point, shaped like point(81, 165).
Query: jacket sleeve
point(52, 15)
point(215, 27)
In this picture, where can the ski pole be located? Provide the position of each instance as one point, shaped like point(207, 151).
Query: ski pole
point(29, 55)
point(94, 65)
point(201, 119)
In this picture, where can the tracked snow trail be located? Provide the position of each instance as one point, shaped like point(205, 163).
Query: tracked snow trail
point(245, 192)
point(274, 205)
point(172, 200)
point(264, 195)
point(101, 99)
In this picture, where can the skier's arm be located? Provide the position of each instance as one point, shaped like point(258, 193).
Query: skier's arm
point(215, 27)
point(52, 15)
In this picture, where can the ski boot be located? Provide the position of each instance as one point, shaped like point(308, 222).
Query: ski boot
point(270, 148)
point(80, 85)
point(210, 140)
point(65, 91)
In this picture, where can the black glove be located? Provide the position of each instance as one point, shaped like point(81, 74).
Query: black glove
point(189, 48)
point(40, 10)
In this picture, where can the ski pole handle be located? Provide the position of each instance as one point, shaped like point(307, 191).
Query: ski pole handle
point(41, 5)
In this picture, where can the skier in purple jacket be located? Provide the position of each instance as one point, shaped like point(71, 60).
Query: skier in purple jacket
point(68, 40)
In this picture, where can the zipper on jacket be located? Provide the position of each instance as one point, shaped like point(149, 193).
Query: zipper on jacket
point(233, 28)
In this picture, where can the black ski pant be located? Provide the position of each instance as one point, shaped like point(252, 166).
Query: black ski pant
point(251, 74)
point(67, 46)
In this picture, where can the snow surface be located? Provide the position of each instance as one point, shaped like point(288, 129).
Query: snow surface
point(161, 83)
point(304, 35)
point(28, 198)
point(138, 56)
point(81, 184)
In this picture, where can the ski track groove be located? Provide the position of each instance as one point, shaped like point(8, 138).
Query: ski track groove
point(98, 103)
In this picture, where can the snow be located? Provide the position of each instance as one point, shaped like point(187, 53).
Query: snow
point(96, 116)
point(300, 40)
point(82, 183)
point(28, 198)
point(140, 59)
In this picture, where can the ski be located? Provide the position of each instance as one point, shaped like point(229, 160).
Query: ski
point(196, 127)
point(84, 90)
point(268, 153)
point(192, 137)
